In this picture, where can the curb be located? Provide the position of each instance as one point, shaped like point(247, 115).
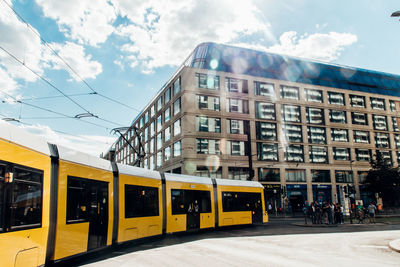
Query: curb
point(395, 245)
point(315, 225)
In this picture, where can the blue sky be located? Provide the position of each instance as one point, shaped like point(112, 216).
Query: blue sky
point(127, 49)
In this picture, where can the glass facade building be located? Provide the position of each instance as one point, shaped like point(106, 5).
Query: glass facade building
point(311, 125)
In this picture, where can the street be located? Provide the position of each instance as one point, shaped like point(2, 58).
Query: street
point(280, 243)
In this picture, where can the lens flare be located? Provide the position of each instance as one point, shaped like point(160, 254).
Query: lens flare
point(214, 63)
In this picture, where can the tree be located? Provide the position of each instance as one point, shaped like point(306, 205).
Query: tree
point(384, 179)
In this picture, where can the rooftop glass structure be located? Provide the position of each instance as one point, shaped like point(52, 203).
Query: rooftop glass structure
point(238, 60)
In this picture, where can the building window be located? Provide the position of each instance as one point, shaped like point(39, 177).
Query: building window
point(177, 86)
point(268, 175)
point(208, 102)
point(152, 128)
point(395, 122)
point(291, 113)
point(205, 171)
point(397, 141)
point(357, 101)
point(206, 124)
point(321, 176)
point(177, 106)
point(392, 105)
point(267, 151)
point(361, 137)
point(362, 176)
point(288, 92)
point(238, 173)
point(363, 154)
point(316, 135)
point(296, 176)
point(167, 153)
point(159, 103)
point(238, 105)
point(266, 131)
point(167, 95)
point(151, 145)
point(339, 135)
point(159, 123)
point(386, 156)
point(159, 141)
point(265, 111)
point(292, 133)
point(398, 157)
point(294, 153)
point(235, 148)
point(314, 96)
point(177, 127)
point(167, 134)
point(167, 114)
point(315, 115)
point(264, 89)
point(235, 126)
point(382, 140)
point(341, 153)
point(159, 159)
point(146, 118)
point(344, 176)
point(379, 122)
point(336, 98)
point(208, 146)
point(177, 149)
point(337, 116)
point(318, 154)
point(236, 85)
point(152, 111)
point(377, 103)
point(207, 81)
point(359, 118)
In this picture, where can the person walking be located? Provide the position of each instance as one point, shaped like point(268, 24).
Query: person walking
point(371, 212)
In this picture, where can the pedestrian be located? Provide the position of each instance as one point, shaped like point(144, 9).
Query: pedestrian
point(371, 212)
point(305, 213)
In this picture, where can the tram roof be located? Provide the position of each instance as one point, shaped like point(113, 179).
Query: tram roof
point(21, 137)
point(136, 171)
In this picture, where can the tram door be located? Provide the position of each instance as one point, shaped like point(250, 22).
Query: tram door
point(98, 214)
point(256, 208)
point(193, 209)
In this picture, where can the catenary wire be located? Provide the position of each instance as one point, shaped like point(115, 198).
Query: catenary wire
point(53, 86)
point(65, 62)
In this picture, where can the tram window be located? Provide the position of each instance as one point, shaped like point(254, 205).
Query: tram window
point(178, 201)
point(205, 201)
point(240, 201)
point(182, 199)
point(77, 200)
point(26, 200)
point(141, 201)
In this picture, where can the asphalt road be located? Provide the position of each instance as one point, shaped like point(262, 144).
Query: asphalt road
point(280, 243)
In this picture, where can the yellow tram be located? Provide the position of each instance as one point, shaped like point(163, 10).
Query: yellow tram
point(56, 203)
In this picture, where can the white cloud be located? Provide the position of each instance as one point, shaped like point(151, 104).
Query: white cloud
point(90, 144)
point(20, 41)
point(89, 22)
point(164, 33)
point(76, 57)
point(319, 46)
point(7, 84)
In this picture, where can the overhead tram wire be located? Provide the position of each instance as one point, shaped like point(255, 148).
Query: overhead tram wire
point(54, 112)
point(52, 97)
point(57, 131)
point(65, 62)
point(53, 86)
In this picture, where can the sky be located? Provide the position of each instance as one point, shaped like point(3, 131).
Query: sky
point(62, 59)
